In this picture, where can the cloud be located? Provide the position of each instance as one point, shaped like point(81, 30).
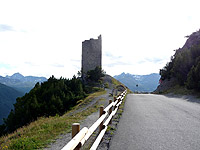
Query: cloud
point(134, 40)
point(6, 66)
point(108, 54)
point(31, 64)
point(4, 27)
point(117, 64)
point(58, 65)
point(111, 60)
point(151, 60)
point(75, 60)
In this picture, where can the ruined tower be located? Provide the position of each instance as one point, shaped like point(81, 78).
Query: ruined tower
point(91, 54)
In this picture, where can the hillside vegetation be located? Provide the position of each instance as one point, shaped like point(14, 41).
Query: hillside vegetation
point(184, 67)
point(38, 134)
point(55, 96)
point(46, 111)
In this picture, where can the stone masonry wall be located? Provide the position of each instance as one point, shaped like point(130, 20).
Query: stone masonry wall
point(91, 54)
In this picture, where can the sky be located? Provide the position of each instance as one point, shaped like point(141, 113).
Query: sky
point(44, 37)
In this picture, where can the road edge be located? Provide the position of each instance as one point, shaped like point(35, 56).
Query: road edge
point(110, 132)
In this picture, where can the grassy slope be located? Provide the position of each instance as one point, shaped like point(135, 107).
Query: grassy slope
point(41, 132)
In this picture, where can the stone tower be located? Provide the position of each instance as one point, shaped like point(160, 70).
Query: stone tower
point(91, 54)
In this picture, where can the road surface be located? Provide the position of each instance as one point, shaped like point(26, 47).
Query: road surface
point(156, 122)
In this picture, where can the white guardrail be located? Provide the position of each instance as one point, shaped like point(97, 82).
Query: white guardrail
point(79, 137)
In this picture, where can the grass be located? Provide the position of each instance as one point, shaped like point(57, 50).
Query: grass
point(118, 114)
point(40, 133)
point(112, 127)
point(180, 90)
point(106, 85)
point(121, 107)
point(82, 103)
point(115, 82)
point(111, 130)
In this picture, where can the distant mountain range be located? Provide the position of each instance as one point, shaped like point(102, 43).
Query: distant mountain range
point(21, 83)
point(140, 83)
point(12, 87)
point(8, 97)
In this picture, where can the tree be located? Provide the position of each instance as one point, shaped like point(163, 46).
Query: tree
point(193, 79)
point(52, 97)
point(191, 84)
point(96, 74)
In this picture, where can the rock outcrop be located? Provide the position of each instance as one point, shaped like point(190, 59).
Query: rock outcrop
point(193, 39)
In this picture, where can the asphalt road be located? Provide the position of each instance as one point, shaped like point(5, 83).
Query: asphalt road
point(156, 122)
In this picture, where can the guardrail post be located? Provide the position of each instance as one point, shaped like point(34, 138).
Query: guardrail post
point(115, 98)
point(75, 130)
point(110, 110)
point(100, 114)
